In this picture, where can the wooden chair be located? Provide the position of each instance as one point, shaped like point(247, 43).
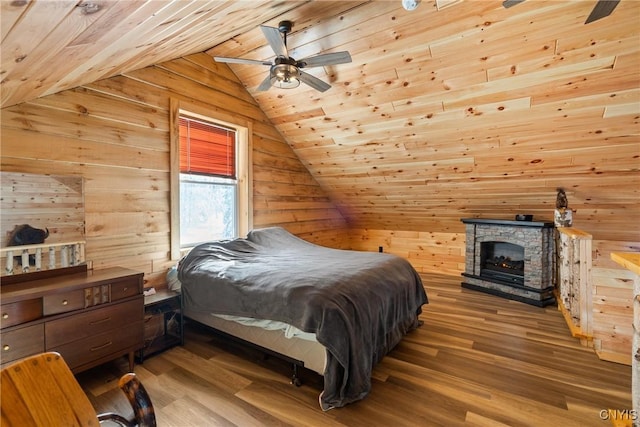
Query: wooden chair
point(41, 391)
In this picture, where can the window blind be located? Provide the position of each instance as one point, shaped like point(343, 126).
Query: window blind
point(206, 148)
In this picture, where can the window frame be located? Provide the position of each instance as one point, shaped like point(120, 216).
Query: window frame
point(244, 165)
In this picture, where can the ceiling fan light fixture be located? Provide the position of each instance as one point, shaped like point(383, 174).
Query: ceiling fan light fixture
point(285, 76)
point(285, 72)
point(90, 8)
point(410, 4)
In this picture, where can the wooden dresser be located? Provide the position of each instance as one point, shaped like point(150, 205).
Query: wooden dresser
point(88, 316)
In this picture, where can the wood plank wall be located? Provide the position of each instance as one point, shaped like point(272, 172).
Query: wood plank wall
point(433, 252)
point(114, 133)
point(42, 201)
point(612, 302)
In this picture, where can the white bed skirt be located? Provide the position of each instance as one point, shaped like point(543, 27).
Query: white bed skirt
point(309, 351)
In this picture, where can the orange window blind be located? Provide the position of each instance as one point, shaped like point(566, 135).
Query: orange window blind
point(206, 148)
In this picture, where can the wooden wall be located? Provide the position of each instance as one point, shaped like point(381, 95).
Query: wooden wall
point(443, 252)
point(433, 252)
point(115, 134)
point(42, 201)
point(483, 112)
point(612, 302)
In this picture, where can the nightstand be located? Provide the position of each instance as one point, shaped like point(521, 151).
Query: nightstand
point(163, 322)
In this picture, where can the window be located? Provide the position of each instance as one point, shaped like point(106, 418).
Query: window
point(210, 183)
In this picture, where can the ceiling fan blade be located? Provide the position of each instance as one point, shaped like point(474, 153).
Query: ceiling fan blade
point(240, 60)
point(601, 9)
point(509, 3)
point(313, 81)
point(266, 84)
point(275, 40)
point(325, 59)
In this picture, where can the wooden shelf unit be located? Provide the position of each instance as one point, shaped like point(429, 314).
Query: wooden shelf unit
point(160, 309)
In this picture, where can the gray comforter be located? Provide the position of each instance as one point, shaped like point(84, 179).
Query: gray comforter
point(359, 304)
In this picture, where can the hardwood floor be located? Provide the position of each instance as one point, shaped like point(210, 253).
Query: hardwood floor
point(478, 360)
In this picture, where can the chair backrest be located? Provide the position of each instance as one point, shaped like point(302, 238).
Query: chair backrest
point(41, 391)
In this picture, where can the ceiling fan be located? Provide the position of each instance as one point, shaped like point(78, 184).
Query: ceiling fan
point(600, 10)
point(285, 72)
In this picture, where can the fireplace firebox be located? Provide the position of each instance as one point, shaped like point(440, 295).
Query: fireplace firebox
point(502, 260)
point(511, 259)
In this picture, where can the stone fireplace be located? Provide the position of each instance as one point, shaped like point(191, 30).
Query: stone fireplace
point(511, 259)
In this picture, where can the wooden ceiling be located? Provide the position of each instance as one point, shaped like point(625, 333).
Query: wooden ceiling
point(456, 109)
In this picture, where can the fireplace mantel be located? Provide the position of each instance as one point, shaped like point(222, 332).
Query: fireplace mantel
point(508, 223)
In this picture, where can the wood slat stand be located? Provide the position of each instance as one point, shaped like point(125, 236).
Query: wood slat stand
point(574, 282)
point(55, 255)
point(596, 302)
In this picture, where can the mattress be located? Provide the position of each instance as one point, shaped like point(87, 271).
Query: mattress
point(278, 338)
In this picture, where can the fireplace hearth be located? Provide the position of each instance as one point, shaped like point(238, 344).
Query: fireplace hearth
point(511, 259)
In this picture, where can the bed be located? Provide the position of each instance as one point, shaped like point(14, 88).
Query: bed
point(337, 311)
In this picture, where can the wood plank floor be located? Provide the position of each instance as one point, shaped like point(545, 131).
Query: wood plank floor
point(478, 360)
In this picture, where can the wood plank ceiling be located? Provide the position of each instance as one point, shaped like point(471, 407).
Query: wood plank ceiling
point(456, 109)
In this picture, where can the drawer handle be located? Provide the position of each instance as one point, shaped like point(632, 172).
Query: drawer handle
point(65, 302)
point(97, 322)
point(5, 315)
point(100, 347)
point(125, 289)
point(6, 347)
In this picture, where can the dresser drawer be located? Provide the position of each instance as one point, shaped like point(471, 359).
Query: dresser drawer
point(20, 312)
point(87, 350)
point(63, 302)
point(22, 342)
point(125, 288)
point(94, 322)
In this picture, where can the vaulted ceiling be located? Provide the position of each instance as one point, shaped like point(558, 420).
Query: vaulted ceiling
point(456, 109)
